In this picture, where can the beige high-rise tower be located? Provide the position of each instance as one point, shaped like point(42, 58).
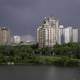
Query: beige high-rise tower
point(47, 32)
point(4, 36)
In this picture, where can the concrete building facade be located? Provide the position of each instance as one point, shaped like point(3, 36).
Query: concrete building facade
point(79, 35)
point(5, 36)
point(60, 35)
point(67, 34)
point(75, 35)
point(16, 39)
point(47, 32)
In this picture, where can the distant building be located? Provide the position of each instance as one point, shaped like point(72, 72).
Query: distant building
point(78, 34)
point(16, 39)
point(60, 35)
point(67, 34)
point(47, 32)
point(75, 35)
point(28, 43)
point(5, 36)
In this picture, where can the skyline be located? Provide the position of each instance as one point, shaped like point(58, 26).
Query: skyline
point(22, 16)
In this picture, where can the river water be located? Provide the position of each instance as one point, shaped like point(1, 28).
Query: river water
point(39, 73)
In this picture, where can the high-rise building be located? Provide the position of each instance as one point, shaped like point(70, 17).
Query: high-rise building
point(47, 32)
point(60, 35)
point(4, 35)
point(67, 34)
point(75, 35)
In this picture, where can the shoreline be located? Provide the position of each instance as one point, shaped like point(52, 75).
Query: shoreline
point(47, 61)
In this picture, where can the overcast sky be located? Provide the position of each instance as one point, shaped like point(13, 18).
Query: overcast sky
point(22, 16)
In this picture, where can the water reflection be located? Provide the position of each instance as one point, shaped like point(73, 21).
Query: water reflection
point(60, 73)
point(38, 73)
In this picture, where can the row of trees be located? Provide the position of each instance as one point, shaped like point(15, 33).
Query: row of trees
point(15, 54)
point(70, 49)
point(26, 53)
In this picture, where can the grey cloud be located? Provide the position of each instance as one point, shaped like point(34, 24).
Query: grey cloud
point(27, 38)
point(22, 16)
point(18, 3)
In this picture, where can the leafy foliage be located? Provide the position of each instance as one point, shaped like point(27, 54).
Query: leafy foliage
point(70, 49)
point(65, 54)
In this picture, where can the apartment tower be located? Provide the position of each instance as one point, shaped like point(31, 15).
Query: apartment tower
point(4, 36)
point(60, 34)
point(47, 32)
point(67, 34)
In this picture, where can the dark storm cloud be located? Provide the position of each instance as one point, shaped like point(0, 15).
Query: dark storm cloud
point(22, 16)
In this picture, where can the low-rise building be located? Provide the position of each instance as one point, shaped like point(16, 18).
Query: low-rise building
point(16, 39)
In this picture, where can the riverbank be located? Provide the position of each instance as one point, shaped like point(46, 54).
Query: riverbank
point(60, 55)
point(56, 60)
point(50, 60)
point(65, 61)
